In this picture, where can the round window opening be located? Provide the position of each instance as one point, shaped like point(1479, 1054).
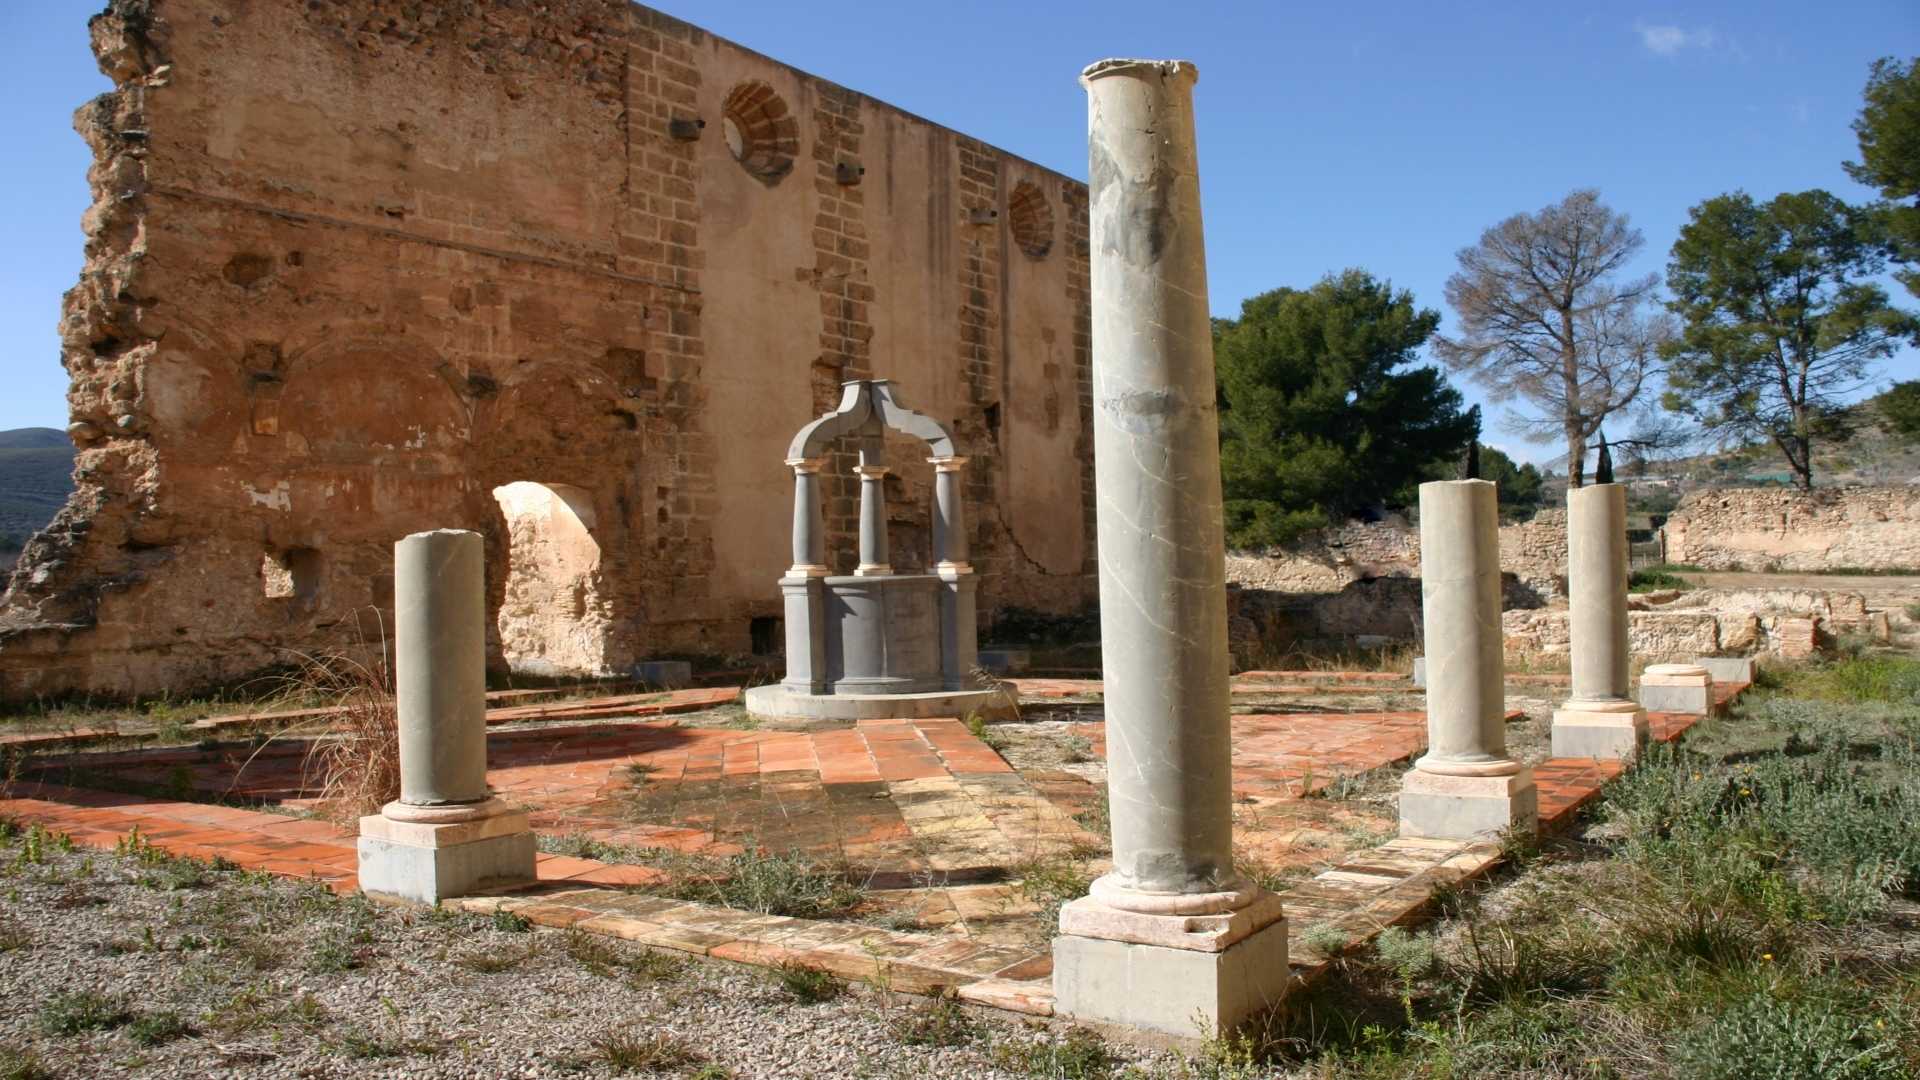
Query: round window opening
point(759, 131)
point(1032, 219)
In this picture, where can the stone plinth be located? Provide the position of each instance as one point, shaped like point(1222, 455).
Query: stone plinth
point(412, 853)
point(1728, 669)
point(1465, 787)
point(1181, 992)
point(1677, 688)
point(1599, 729)
point(446, 835)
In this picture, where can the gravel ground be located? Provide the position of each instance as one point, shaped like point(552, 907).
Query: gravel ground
point(114, 964)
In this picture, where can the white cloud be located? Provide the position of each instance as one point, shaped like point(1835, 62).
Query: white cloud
point(1666, 40)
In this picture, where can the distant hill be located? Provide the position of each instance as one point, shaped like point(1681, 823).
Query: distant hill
point(36, 473)
point(1872, 457)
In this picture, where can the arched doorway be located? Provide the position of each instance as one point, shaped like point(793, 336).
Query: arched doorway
point(555, 616)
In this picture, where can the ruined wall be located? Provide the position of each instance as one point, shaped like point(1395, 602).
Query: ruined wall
point(1330, 561)
point(1783, 529)
point(354, 264)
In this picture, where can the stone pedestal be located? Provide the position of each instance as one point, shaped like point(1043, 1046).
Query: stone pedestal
point(1465, 787)
point(1677, 688)
point(1598, 720)
point(1728, 669)
point(1172, 940)
point(446, 835)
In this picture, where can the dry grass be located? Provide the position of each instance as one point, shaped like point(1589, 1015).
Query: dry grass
point(354, 762)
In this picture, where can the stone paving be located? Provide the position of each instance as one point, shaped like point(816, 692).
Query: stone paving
point(919, 801)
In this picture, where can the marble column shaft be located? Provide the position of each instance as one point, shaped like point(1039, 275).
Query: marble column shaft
point(949, 513)
point(873, 520)
point(1460, 620)
point(1157, 474)
point(809, 524)
point(1597, 588)
point(440, 666)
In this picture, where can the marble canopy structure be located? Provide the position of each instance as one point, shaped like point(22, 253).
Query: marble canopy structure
point(877, 643)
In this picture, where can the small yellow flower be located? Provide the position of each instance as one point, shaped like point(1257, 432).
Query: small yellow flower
point(1767, 956)
point(1744, 791)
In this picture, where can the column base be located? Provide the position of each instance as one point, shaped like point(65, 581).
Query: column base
point(426, 863)
point(1190, 976)
point(1677, 688)
point(1467, 807)
point(1613, 730)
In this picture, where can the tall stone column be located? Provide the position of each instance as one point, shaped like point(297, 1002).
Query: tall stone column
point(809, 525)
point(1171, 940)
point(446, 835)
point(873, 519)
point(1598, 720)
point(1465, 786)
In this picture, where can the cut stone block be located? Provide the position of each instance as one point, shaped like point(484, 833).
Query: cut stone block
point(668, 674)
point(426, 863)
point(1604, 729)
point(1181, 992)
point(1728, 669)
point(1677, 688)
point(1419, 671)
point(1467, 807)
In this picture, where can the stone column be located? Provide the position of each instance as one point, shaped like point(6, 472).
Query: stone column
point(959, 625)
point(1465, 786)
point(1172, 940)
point(809, 527)
point(1598, 720)
point(873, 520)
point(949, 514)
point(446, 835)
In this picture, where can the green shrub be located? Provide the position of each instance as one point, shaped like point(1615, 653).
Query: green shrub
point(1770, 1038)
point(808, 986)
point(1656, 577)
point(154, 1029)
point(77, 1011)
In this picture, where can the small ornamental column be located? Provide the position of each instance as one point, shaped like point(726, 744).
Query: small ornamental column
point(959, 629)
point(1465, 786)
point(1173, 939)
point(446, 835)
point(873, 519)
point(949, 515)
point(809, 526)
point(1598, 720)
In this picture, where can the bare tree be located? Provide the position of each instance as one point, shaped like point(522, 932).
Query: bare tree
point(1546, 318)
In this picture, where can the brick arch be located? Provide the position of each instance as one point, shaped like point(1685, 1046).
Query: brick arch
point(760, 131)
point(1030, 216)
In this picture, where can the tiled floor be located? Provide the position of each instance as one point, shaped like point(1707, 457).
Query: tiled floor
point(923, 799)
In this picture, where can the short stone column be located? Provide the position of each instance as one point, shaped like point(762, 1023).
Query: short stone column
point(1465, 786)
point(446, 835)
point(1173, 939)
point(1677, 688)
point(809, 524)
point(949, 514)
point(1598, 719)
point(873, 520)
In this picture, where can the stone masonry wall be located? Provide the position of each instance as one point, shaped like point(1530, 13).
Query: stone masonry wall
point(1787, 530)
point(354, 264)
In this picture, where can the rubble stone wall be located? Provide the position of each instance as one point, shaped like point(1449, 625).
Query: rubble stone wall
point(1785, 530)
point(352, 265)
point(1328, 561)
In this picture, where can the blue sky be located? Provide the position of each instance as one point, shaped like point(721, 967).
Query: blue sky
point(1384, 136)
